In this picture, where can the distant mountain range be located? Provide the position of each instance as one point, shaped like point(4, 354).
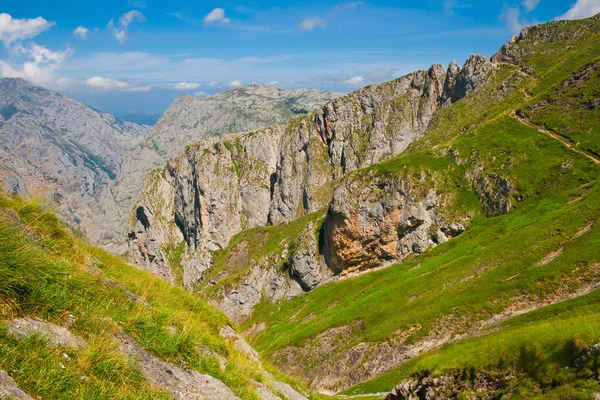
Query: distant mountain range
point(92, 164)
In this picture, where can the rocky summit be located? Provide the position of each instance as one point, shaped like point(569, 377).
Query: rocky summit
point(430, 237)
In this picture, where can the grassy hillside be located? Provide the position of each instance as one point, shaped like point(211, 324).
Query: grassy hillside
point(46, 274)
point(544, 251)
point(540, 348)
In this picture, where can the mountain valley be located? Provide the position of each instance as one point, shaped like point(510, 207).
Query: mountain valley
point(430, 237)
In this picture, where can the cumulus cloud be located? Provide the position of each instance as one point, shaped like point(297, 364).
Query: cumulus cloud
point(186, 86)
point(13, 29)
point(40, 66)
point(214, 83)
point(120, 32)
point(110, 84)
point(216, 16)
point(530, 5)
point(582, 9)
point(235, 83)
point(81, 31)
point(356, 80)
point(272, 83)
point(200, 93)
point(308, 24)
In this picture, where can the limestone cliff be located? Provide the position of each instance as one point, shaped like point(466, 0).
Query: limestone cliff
point(275, 175)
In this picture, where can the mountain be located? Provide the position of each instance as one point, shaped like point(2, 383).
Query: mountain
point(190, 119)
point(91, 164)
point(56, 147)
point(435, 235)
point(79, 323)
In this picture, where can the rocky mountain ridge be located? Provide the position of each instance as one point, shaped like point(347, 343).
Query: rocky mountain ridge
point(223, 186)
point(190, 119)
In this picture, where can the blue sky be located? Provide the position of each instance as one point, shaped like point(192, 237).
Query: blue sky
point(128, 55)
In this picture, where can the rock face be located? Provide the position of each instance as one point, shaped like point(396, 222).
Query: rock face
point(223, 186)
point(56, 147)
point(263, 280)
point(306, 265)
point(190, 119)
point(385, 220)
point(93, 165)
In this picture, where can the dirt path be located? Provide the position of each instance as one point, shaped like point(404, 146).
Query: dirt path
point(568, 144)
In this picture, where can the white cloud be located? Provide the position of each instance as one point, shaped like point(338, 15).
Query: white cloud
point(120, 32)
point(235, 83)
point(214, 83)
point(530, 5)
point(110, 84)
point(582, 9)
point(357, 80)
point(216, 15)
point(186, 86)
point(200, 93)
point(512, 18)
point(272, 83)
point(40, 67)
point(81, 31)
point(12, 29)
point(309, 24)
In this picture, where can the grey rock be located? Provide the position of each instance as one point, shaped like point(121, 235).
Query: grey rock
point(239, 343)
point(190, 119)
point(587, 354)
point(306, 264)
point(9, 388)
point(472, 75)
point(264, 393)
point(288, 392)
point(264, 281)
point(182, 383)
point(208, 352)
point(57, 336)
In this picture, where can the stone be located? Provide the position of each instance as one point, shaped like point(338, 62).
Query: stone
point(180, 382)
point(9, 388)
point(57, 336)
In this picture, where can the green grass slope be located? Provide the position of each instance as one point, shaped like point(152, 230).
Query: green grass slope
point(545, 250)
point(45, 273)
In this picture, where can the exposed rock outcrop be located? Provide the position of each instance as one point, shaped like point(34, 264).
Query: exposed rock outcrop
point(378, 218)
point(190, 119)
point(57, 336)
point(182, 383)
point(9, 388)
point(263, 280)
point(306, 264)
